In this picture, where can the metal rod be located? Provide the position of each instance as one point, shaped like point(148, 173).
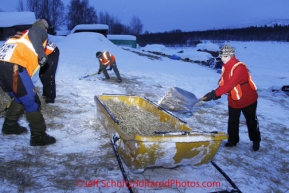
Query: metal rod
point(226, 176)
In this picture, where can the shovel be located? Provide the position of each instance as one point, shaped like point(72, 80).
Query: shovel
point(197, 100)
point(179, 100)
point(86, 76)
point(202, 99)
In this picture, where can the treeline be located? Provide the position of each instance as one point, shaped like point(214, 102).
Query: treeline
point(77, 12)
point(179, 38)
point(80, 12)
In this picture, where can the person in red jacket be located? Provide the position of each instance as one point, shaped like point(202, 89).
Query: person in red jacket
point(237, 83)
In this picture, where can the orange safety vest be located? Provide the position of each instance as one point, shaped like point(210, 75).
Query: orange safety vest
point(19, 50)
point(236, 92)
point(49, 48)
point(107, 58)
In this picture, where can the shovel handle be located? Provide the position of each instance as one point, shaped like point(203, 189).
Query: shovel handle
point(203, 98)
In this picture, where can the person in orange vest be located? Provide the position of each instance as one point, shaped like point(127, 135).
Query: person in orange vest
point(48, 71)
point(106, 59)
point(20, 57)
point(237, 83)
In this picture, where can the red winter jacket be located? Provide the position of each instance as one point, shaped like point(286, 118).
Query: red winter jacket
point(240, 76)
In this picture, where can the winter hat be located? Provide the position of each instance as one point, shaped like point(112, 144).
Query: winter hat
point(41, 23)
point(98, 54)
point(45, 23)
point(227, 50)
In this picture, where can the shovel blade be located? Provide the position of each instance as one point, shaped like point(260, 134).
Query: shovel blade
point(178, 100)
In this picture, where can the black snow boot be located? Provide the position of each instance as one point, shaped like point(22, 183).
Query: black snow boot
point(41, 139)
point(230, 144)
point(38, 127)
point(256, 145)
point(10, 125)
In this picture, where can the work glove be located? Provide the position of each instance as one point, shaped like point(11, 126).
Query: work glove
point(42, 61)
point(102, 68)
point(216, 98)
point(210, 96)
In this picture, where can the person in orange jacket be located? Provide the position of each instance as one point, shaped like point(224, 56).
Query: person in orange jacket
point(20, 57)
point(237, 82)
point(106, 59)
point(48, 71)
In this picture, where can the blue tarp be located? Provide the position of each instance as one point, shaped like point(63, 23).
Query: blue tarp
point(175, 57)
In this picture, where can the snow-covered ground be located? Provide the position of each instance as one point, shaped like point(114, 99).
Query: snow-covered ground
point(83, 155)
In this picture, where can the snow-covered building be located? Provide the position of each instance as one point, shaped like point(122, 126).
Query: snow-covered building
point(11, 22)
point(98, 28)
point(123, 40)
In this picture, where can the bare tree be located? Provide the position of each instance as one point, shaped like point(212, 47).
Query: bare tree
point(55, 13)
point(52, 10)
point(79, 12)
point(104, 18)
point(136, 25)
point(34, 6)
point(114, 23)
point(115, 26)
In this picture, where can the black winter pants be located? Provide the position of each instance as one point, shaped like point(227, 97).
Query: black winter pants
point(47, 75)
point(249, 113)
